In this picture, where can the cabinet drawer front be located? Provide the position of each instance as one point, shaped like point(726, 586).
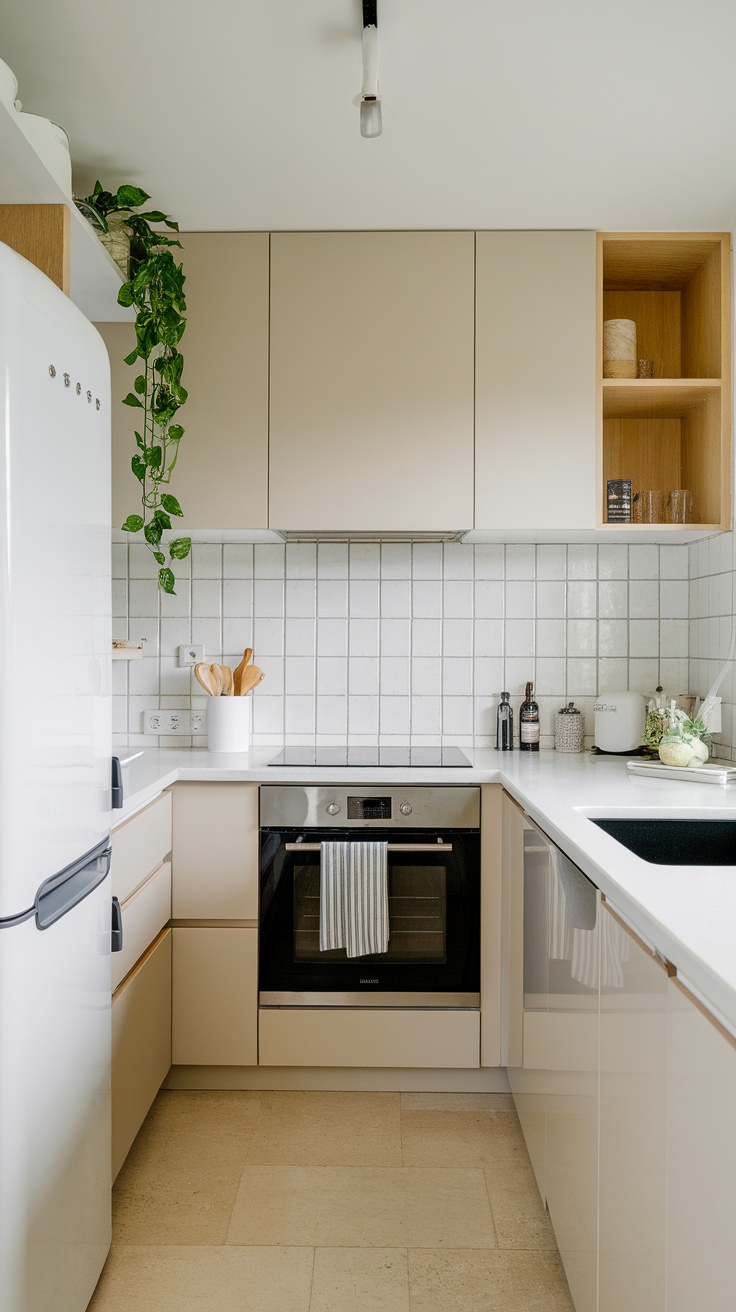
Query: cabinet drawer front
point(306, 1037)
point(140, 845)
point(141, 1046)
point(215, 997)
point(144, 916)
point(215, 851)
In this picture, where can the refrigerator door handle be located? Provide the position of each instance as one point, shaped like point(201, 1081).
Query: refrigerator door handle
point(116, 941)
point(116, 800)
point(64, 891)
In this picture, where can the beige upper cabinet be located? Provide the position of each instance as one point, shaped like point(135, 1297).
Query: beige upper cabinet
point(372, 381)
point(221, 476)
point(535, 437)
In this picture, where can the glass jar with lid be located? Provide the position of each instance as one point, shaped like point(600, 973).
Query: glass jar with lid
point(569, 729)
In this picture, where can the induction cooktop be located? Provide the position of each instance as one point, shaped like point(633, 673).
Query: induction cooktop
point(412, 758)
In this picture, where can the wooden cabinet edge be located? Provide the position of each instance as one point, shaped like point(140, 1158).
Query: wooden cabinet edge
point(140, 963)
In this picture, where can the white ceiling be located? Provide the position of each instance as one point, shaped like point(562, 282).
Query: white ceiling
point(239, 114)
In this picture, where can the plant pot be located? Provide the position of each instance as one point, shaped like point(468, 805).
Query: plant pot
point(117, 242)
point(228, 724)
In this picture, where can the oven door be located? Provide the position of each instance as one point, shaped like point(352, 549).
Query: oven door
point(433, 957)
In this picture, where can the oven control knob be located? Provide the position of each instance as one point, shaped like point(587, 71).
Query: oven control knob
point(405, 808)
point(333, 808)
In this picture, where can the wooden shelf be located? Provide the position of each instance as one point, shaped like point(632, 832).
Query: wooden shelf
point(25, 180)
point(675, 429)
point(665, 398)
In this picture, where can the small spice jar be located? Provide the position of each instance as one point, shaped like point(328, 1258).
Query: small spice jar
point(569, 729)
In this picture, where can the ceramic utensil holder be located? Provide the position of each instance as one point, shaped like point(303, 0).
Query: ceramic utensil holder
point(228, 724)
point(619, 348)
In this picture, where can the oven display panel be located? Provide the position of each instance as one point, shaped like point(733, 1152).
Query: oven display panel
point(369, 808)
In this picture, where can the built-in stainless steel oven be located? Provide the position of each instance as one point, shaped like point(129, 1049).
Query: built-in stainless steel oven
point(433, 859)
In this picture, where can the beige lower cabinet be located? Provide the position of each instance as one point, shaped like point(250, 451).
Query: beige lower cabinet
point(633, 1126)
point(141, 1044)
point(215, 851)
point(215, 996)
point(701, 1204)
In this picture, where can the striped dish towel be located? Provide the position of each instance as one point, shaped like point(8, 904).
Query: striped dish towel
point(353, 901)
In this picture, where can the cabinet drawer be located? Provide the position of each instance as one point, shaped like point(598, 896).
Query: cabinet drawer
point(334, 1037)
point(141, 1045)
point(144, 915)
point(215, 997)
point(215, 851)
point(139, 845)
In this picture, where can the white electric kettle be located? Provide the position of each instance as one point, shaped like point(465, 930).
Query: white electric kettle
point(620, 719)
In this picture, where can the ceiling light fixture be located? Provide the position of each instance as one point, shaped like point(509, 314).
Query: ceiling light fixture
point(370, 104)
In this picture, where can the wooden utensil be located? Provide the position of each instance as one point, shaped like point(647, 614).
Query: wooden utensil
point(227, 681)
point(209, 677)
point(250, 680)
point(239, 671)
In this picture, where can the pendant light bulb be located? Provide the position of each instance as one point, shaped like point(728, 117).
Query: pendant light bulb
point(370, 104)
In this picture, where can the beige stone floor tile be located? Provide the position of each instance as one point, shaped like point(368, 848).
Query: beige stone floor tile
point(519, 1215)
point(360, 1280)
point(457, 1138)
point(457, 1102)
point(328, 1129)
point(487, 1281)
point(179, 1183)
point(205, 1279)
point(361, 1207)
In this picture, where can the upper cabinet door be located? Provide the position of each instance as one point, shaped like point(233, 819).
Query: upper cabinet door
point(535, 382)
point(372, 381)
point(221, 475)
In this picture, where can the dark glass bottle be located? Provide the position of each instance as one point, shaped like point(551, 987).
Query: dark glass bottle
point(529, 722)
point(504, 725)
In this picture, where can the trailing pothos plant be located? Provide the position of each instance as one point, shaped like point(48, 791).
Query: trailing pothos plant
point(155, 289)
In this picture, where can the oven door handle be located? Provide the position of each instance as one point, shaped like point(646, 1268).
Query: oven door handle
point(391, 847)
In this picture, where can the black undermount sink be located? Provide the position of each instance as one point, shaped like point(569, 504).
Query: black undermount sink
point(676, 842)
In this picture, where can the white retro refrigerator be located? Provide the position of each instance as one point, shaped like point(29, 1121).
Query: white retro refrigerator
point(55, 796)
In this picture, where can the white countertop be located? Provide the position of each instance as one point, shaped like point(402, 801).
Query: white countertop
point(688, 913)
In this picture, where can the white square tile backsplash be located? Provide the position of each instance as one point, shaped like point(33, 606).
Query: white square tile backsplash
point(416, 640)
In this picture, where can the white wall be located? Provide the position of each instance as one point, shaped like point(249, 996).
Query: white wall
point(397, 641)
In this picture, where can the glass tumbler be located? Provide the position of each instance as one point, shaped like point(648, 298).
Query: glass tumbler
point(649, 507)
point(679, 506)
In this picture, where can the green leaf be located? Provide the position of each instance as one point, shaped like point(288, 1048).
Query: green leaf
point(139, 442)
point(179, 549)
point(153, 216)
point(130, 399)
point(131, 359)
point(133, 524)
point(161, 518)
point(153, 457)
point(166, 580)
point(159, 557)
point(175, 433)
point(139, 467)
point(128, 196)
point(152, 533)
point(171, 504)
point(125, 297)
point(140, 384)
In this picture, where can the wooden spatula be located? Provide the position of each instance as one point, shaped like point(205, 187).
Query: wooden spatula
point(209, 677)
point(251, 679)
point(226, 689)
point(239, 671)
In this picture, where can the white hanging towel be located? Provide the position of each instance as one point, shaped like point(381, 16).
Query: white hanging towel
point(353, 898)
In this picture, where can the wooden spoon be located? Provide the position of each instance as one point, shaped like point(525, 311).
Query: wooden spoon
point(240, 670)
point(209, 677)
point(227, 681)
point(252, 677)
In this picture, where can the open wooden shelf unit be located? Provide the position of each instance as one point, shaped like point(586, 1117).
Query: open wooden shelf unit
point(673, 430)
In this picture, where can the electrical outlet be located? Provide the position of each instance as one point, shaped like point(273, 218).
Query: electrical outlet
point(191, 653)
point(173, 722)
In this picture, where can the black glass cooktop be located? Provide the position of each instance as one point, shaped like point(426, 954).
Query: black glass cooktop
point(412, 758)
